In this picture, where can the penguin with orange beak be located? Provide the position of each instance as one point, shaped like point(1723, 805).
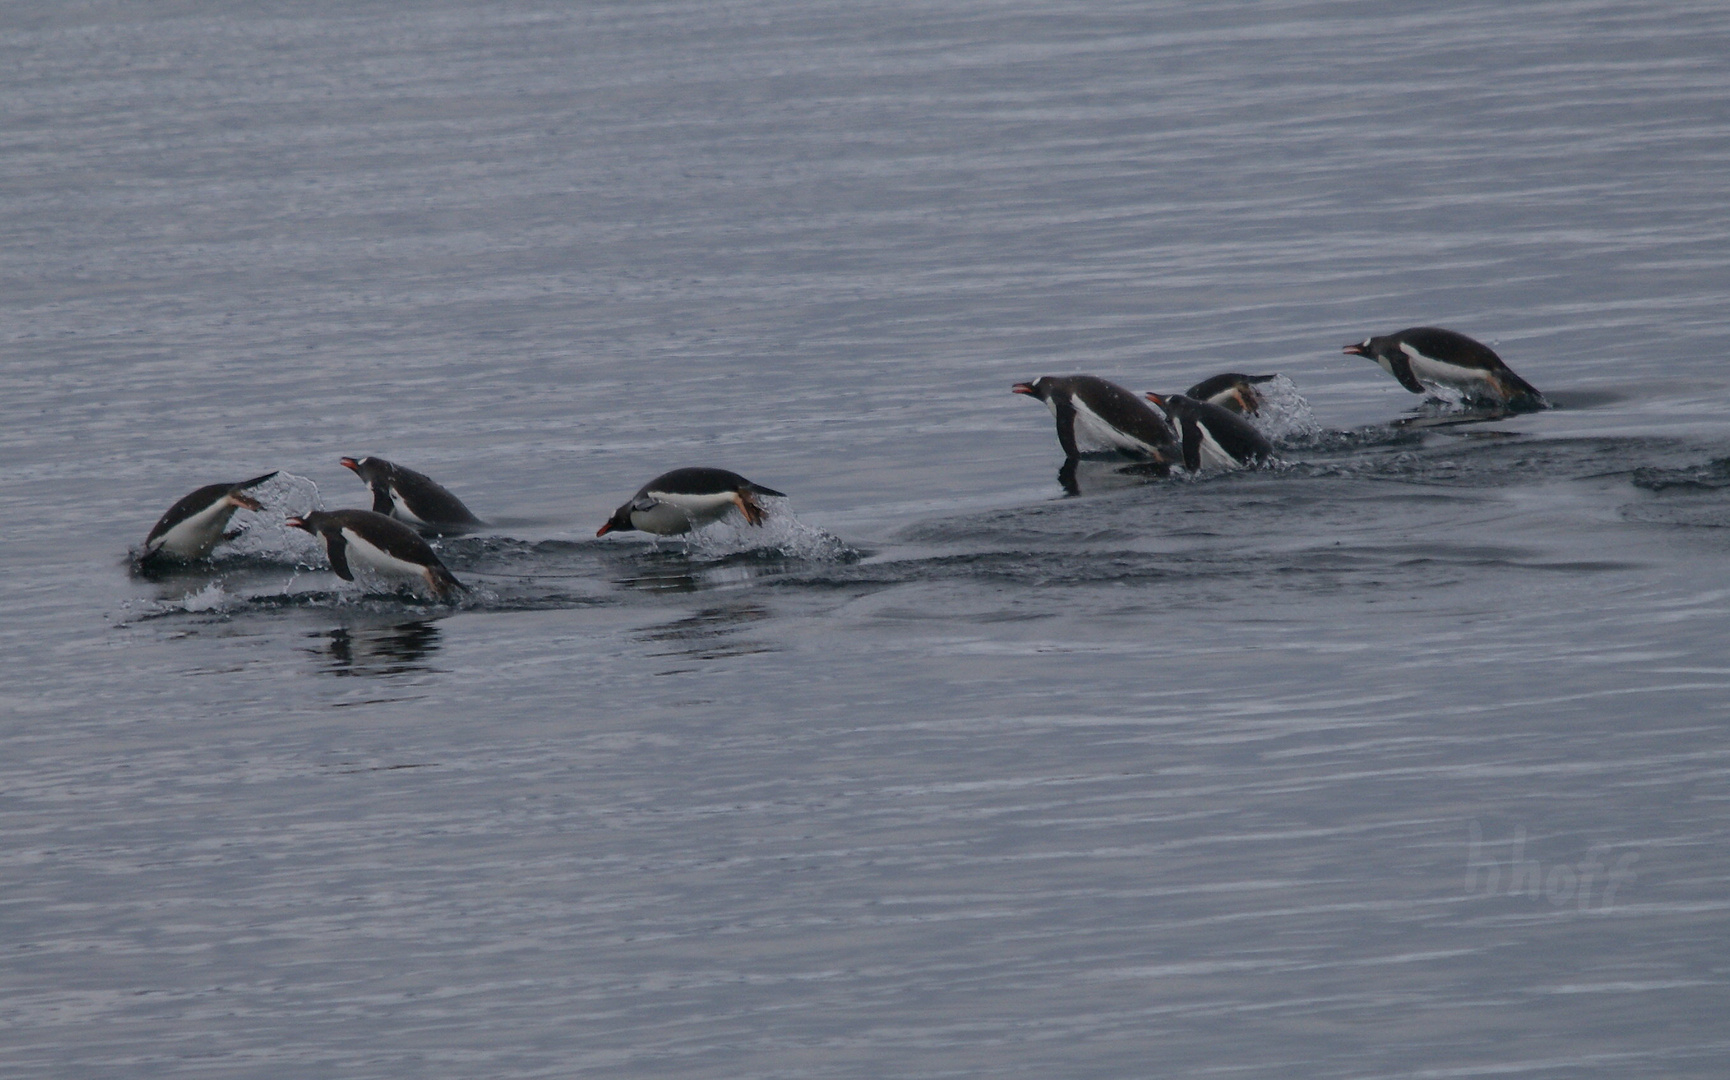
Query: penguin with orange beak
point(194, 525)
point(1212, 436)
point(687, 499)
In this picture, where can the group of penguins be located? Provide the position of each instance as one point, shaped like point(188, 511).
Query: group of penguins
point(1201, 429)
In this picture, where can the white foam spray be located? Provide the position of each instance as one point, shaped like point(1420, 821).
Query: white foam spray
point(1285, 416)
point(781, 533)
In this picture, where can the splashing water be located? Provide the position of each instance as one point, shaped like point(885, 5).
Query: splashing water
point(210, 598)
point(1285, 416)
point(781, 533)
point(283, 496)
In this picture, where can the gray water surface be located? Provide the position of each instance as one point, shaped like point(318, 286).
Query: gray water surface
point(1405, 758)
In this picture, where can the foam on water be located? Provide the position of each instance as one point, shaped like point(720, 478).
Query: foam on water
point(782, 534)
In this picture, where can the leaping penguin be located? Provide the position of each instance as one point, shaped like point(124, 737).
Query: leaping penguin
point(1231, 391)
point(378, 543)
point(1098, 412)
point(411, 497)
point(193, 526)
point(1424, 357)
point(1213, 437)
point(686, 499)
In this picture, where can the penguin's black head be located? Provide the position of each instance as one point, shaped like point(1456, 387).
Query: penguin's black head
point(369, 469)
point(619, 522)
point(309, 522)
point(1366, 347)
point(1039, 388)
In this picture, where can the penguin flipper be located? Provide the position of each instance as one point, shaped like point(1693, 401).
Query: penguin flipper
point(381, 503)
point(1066, 476)
point(1066, 428)
point(1191, 445)
point(1402, 368)
point(337, 548)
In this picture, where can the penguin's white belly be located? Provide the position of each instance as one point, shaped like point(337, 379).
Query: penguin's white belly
point(362, 555)
point(670, 514)
point(194, 537)
point(1427, 369)
point(1093, 432)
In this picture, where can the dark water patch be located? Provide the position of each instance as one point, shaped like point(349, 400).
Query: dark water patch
point(1034, 569)
point(221, 564)
point(1469, 462)
point(1711, 476)
point(1374, 436)
point(711, 633)
point(1588, 399)
point(371, 651)
point(1443, 417)
point(1688, 515)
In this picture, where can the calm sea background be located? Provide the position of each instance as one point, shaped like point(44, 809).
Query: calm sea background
point(1405, 759)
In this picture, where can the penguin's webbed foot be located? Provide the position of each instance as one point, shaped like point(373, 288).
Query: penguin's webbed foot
point(754, 513)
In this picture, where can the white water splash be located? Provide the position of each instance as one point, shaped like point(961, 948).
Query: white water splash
point(210, 598)
point(264, 535)
point(1285, 416)
point(781, 533)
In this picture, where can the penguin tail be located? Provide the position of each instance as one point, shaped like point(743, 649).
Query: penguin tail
point(759, 489)
point(1520, 394)
point(255, 481)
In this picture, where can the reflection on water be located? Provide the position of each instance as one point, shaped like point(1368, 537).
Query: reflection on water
point(1441, 414)
point(1104, 474)
point(676, 572)
point(378, 650)
point(707, 634)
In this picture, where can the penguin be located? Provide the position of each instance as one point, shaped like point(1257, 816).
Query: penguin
point(378, 543)
point(1231, 391)
point(686, 499)
point(411, 497)
point(193, 526)
point(1424, 357)
point(1214, 437)
point(1092, 410)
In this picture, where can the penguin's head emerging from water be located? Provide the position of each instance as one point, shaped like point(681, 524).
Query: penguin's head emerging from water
point(1039, 388)
point(619, 522)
